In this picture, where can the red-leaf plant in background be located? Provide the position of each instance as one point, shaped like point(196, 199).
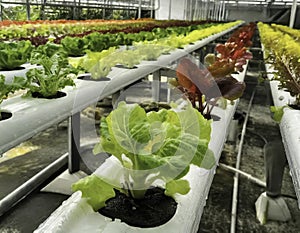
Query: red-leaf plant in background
point(205, 86)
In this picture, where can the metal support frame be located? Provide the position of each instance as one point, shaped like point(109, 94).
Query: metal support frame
point(32, 184)
point(74, 143)
point(275, 161)
point(140, 9)
point(1, 11)
point(293, 14)
point(156, 85)
point(28, 9)
point(170, 10)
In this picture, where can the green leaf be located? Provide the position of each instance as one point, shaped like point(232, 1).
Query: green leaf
point(14, 54)
point(278, 113)
point(165, 140)
point(95, 190)
point(18, 83)
point(177, 186)
point(54, 76)
point(74, 46)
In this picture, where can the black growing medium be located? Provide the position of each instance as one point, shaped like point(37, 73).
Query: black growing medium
point(153, 210)
point(88, 77)
point(5, 115)
point(13, 69)
point(294, 106)
point(125, 67)
point(58, 94)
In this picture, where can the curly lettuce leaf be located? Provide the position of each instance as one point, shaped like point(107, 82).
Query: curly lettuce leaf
point(13, 54)
point(95, 190)
point(54, 76)
point(177, 186)
point(6, 88)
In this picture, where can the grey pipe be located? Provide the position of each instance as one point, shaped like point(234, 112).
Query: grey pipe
point(33, 183)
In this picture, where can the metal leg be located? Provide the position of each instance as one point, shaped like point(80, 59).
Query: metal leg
point(270, 205)
point(156, 86)
point(275, 161)
point(74, 143)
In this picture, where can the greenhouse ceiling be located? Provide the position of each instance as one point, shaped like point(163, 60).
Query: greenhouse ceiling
point(144, 3)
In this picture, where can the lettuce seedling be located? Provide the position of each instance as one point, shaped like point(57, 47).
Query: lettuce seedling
point(56, 73)
point(150, 147)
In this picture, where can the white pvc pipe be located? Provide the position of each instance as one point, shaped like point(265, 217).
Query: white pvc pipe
point(236, 176)
point(248, 176)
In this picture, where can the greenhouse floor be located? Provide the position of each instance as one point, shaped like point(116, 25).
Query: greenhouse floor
point(25, 161)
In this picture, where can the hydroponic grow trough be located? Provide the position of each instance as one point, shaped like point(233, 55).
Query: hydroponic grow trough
point(290, 130)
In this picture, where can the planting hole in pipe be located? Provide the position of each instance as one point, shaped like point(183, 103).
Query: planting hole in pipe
point(125, 67)
point(5, 115)
point(88, 77)
point(153, 210)
point(59, 94)
point(13, 69)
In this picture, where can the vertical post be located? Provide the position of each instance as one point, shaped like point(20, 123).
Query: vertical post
point(1, 10)
point(156, 86)
point(152, 8)
point(140, 9)
point(185, 17)
point(293, 14)
point(196, 9)
point(275, 161)
point(78, 10)
point(74, 10)
point(42, 13)
point(221, 10)
point(74, 142)
point(170, 10)
point(28, 9)
point(191, 10)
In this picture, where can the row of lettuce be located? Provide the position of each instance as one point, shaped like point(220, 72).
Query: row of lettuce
point(282, 51)
point(57, 72)
point(16, 53)
point(39, 33)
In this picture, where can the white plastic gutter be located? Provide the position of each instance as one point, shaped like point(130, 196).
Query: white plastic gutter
point(238, 162)
point(289, 129)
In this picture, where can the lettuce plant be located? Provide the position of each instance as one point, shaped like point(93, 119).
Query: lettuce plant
point(202, 89)
point(74, 46)
point(14, 54)
point(56, 73)
point(205, 86)
point(7, 88)
point(150, 147)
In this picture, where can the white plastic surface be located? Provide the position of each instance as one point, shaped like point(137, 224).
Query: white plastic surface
point(290, 132)
point(268, 208)
point(9, 75)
